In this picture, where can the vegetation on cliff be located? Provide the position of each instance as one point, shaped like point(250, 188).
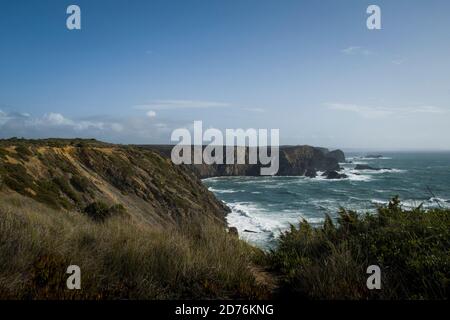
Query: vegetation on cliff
point(73, 174)
point(412, 248)
point(120, 258)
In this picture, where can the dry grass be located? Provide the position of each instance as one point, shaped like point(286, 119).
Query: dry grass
point(119, 258)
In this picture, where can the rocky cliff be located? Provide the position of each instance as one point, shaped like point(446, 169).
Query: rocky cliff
point(71, 175)
point(294, 161)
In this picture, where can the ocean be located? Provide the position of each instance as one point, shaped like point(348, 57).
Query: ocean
point(262, 207)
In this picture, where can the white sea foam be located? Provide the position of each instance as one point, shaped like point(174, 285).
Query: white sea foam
point(379, 202)
point(222, 190)
point(358, 162)
point(367, 159)
point(263, 224)
point(371, 171)
point(409, 204)
point(352, 175)
point(315, 220)
point(367, 175)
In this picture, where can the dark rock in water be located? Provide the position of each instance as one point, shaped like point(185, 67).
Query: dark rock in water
point(233, 231)
point(365, 167)
point(250, 231)
point(311, 173)
point(334, 175)
point(373, 156)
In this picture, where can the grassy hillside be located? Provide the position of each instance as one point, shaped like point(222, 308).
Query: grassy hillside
point(73, 174)
point(119, 258)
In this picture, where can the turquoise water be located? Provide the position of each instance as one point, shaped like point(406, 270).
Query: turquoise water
point(262, 207)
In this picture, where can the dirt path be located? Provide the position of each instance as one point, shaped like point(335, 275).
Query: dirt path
point(265, 278)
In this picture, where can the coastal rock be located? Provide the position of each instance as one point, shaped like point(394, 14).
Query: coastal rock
point(311, 173)
point(338, 155)
point(294, 161)
point(332, 175)
point(367, 167)
point(373, 156)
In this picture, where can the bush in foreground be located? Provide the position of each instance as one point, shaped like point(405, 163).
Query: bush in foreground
point(412, 248)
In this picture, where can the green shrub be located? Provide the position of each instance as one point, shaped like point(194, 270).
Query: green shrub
point(99, 211)
point(23, 152)
point(48, 192)
point(80, 183)
point(412, 248)
point(3, 153)
point(64, 186)
point(118, 210)
point(17, 178)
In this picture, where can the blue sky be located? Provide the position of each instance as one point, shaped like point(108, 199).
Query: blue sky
point(139, 69)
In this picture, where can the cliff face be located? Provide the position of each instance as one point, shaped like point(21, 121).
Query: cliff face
point(301, 160)
point(71, 174)
point(294, 161)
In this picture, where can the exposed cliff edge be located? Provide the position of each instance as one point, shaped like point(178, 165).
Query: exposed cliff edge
point(294, 161)
point(72, 174)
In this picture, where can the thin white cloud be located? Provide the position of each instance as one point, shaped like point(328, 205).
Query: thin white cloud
point(181, 104)
point(259, 110)
point(133, 129)
point(53, 120)
point(58, 120)
point(380, 112)
point(151, 114)
point(428, 109)
point(356, 50)
point(398, 61)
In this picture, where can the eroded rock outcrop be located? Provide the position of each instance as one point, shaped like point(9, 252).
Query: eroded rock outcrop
point(332, 175)
point(294, 161)
point(72, 174)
